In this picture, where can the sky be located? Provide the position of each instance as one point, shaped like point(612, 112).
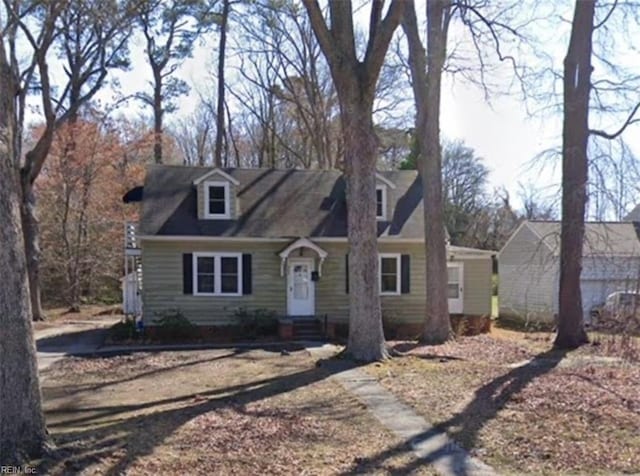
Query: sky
point(500, 132)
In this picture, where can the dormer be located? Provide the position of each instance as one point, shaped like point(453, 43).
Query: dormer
point(384, 198)
point(216, 192)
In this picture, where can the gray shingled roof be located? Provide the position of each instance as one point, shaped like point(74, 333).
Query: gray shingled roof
point(273, 203)
point(601, 238)
point(633, 215)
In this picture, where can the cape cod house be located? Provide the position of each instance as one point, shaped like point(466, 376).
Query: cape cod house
point(212, 240)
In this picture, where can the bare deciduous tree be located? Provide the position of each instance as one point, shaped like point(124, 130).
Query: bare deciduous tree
point(575, 165)
point(194, 135)
point(286, 89)
point(22, 428)
point(355, 81)
point(224, 20)
point(426, 72)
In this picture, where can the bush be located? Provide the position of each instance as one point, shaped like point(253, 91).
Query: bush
point(173, 325)
point(123, 330)
point(257, 322)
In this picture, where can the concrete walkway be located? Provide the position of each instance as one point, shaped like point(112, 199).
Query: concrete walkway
point(428, 443)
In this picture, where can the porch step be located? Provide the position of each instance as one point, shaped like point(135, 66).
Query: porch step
point(306, 328)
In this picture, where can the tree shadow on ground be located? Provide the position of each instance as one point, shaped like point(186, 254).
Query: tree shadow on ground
point(121, 439)
point(464, 426)
point(64, 343)
point(148, 373)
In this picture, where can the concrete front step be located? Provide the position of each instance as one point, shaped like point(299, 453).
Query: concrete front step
point(302, 327)
point(307, 328)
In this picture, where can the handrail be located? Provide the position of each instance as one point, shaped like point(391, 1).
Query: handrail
point(131, 235)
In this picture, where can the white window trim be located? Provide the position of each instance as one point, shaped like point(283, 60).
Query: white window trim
point(384, 202)
point(385, 180)
point(213, 172)
point(227, 200)
point(217, 280)
point(398, 270)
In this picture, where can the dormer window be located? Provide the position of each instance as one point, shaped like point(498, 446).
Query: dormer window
point(216, 200)
point(381, 202)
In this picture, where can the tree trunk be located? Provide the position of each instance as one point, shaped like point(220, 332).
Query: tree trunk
point(575, 138)
point(22, 430)
point(221, 57)
point(157, 118)
point(70, 132)
point(31, 235)
point(426, 71)
point(366, 337)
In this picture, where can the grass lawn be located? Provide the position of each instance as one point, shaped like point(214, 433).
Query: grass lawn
point(209, 412)
point(523, 408)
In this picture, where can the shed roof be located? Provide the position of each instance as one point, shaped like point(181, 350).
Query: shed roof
point(601, 238)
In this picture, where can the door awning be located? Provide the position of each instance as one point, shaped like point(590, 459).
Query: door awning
point(298, 244)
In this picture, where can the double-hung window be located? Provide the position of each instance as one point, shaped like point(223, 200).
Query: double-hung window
point(381, 202)
point(217, 274)
point(217, 200)
point(389, 269)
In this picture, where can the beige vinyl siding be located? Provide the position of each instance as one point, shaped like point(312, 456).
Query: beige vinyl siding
point(528, 274)
point(331, 298)
point(162, 271)
point(233, 205)
point(477, 286)
point(406, 308)
point(162, 274)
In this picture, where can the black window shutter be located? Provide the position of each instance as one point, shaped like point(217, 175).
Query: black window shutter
point(346, 273)
point(405, 274)
point(247, 279)
point(187, 273)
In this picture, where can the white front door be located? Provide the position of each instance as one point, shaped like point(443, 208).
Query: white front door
point(455, 287)
point(300, 287)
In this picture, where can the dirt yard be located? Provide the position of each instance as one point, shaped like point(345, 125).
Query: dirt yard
point(56, 317)
point(505, 396)
point(211, 412)
point(523, 408)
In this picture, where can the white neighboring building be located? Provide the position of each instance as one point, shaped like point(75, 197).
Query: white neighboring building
point(529, 271)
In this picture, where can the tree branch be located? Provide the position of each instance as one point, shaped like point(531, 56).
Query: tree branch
point(631, 119)
point(325, 39)
point(380, 41)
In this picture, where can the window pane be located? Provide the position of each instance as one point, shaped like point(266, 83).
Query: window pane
point(388, 265)
point(217, 200)
point(453, 291)
point(379, 210)
point(388, 283)
point(301, 281)
point(216, 193)
point(454, 274)
point(205, 283)
point(216, 207)
point(229, 283)
point(229, 274)
point(205, 265)
point(229, 265)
